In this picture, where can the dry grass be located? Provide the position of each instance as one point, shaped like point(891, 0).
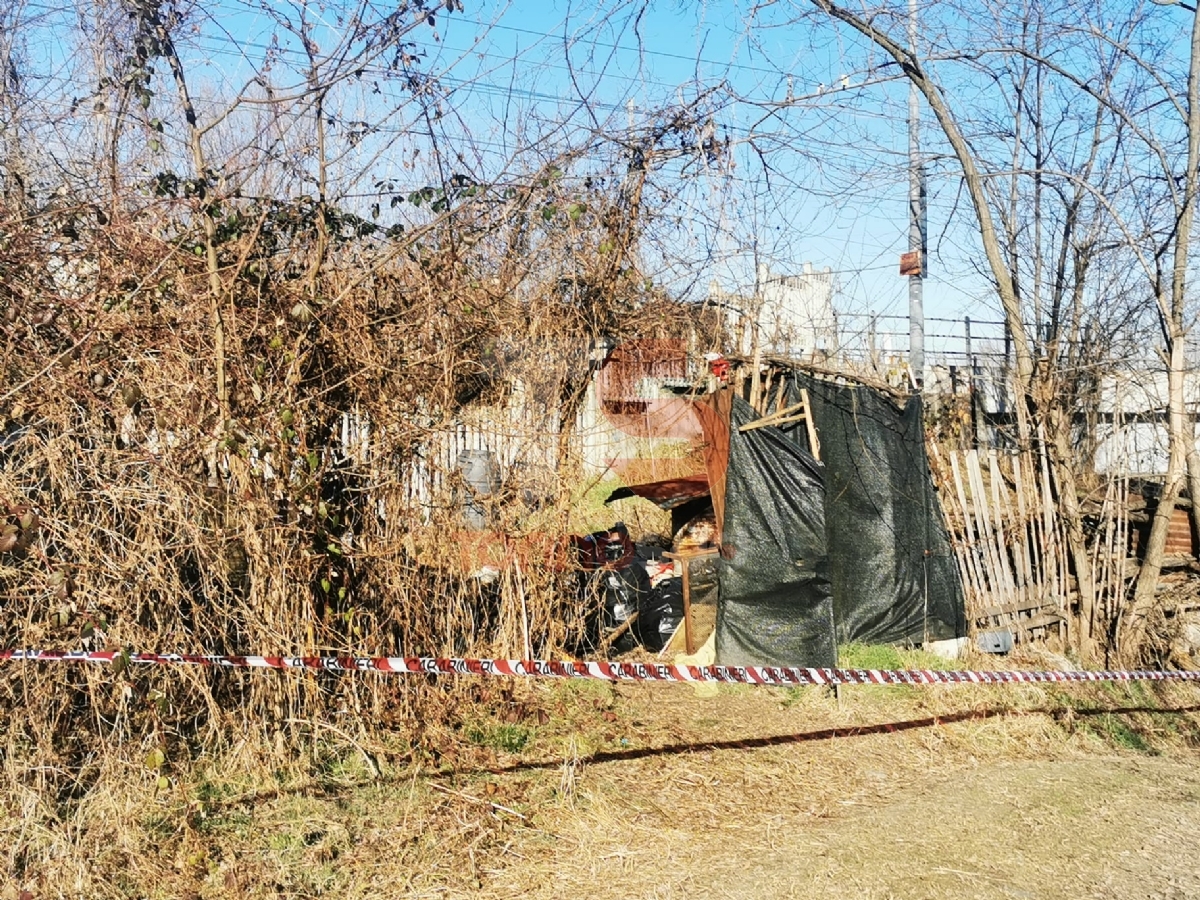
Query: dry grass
point(635, 790)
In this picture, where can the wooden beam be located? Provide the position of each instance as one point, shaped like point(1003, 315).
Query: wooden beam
point(773, 419)
point(813, 442)
point(761, 423)
point(685, 557)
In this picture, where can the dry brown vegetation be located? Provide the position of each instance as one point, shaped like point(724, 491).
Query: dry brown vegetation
point(142, 517)
point(223, 395)
point(644, 791)
point(139, 515)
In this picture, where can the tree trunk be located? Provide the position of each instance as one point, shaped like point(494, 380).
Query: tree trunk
point(1182, 440)
point(1133, 628)
point(211, 258)
point(1193, 477)
point(1064, 461)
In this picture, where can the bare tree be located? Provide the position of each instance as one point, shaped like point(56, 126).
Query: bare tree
point(1039, 169)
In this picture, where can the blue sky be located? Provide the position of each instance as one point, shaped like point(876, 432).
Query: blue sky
point(823, 181)
point(506, 67)
point(846, 210)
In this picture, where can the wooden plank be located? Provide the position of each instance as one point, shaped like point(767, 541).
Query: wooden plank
point(1027, 504)
point(1022, 519)
point(797, 410)
point(1020, 623)
point(983, 518)
point(975, 562)
point(777, 423)
point(814, 442)
point(1014, 610)
point(1002, 546)
point(1045, 619)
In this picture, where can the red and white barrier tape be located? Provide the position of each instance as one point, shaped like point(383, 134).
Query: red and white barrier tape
point(602, 671)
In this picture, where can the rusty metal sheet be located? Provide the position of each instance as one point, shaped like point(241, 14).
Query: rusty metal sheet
point(666, 494)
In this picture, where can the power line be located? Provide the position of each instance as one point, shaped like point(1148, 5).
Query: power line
point(281, 48)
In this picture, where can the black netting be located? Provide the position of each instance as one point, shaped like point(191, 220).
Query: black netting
point(893, 572)
point(775, 606)
point(855, 547)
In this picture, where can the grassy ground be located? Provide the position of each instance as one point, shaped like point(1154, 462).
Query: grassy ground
point(650, 791)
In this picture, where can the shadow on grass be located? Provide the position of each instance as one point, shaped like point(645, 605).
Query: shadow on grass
point(1062, 714)
point(828, 734)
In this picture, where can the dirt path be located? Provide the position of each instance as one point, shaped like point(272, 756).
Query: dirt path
point(1103, 828)
point(988, 806)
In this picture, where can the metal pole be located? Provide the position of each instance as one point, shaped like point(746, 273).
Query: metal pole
point(971, 383)
point(1004, 375)
point(872, 350)
point(916, 219)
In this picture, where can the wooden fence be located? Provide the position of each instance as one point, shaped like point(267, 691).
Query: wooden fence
point(1012, 548)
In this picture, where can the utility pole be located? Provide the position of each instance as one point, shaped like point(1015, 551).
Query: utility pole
point(916, 220)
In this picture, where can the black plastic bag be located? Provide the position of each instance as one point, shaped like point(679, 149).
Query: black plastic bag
point(660, 614)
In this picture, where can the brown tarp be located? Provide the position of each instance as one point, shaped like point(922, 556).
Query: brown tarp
point(713, 412)
point(666, 494)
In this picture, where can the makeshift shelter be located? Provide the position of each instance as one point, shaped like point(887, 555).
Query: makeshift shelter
point(813, 552)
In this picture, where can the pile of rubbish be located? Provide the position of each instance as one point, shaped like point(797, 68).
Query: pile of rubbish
point(638, 594)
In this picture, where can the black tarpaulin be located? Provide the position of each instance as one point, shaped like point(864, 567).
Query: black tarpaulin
point(891, 567)
point(776, 606)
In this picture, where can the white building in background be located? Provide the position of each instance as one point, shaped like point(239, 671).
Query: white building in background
point(1132, 433)
point(793, 314)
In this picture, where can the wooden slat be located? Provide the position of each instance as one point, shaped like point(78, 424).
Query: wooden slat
point(814, 442)
point(983, 519)
point(1050, 536)
point(1026, 480)
point(1043, 620)
point(977, 563)
point(1014, 610)
point(797, 410)
point(1002, 547)
point(1022, 520)
point(1122, 549)
point(959, 538)
point(1011, 548)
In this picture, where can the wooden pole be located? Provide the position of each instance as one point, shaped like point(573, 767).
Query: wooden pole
point(685, 558)
point(976, 555)
point(1001, 541)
